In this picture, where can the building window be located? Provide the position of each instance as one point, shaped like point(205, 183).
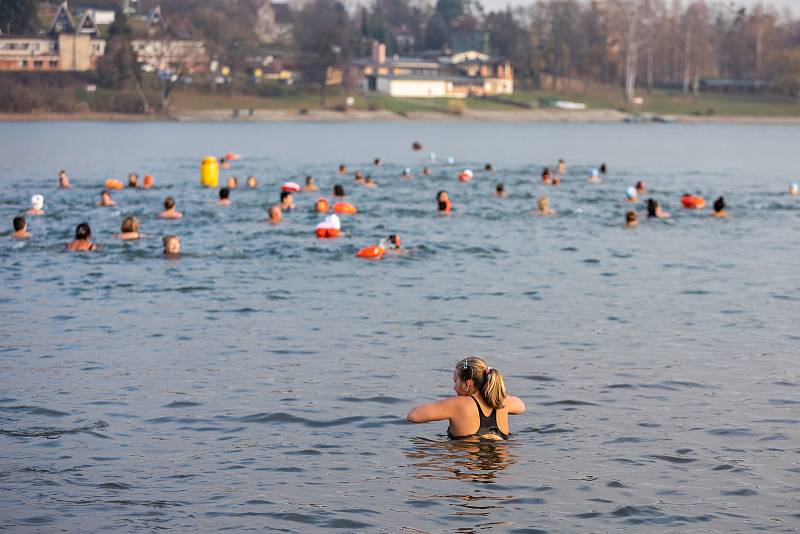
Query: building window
point(24, 62)
point(38, 64)
point(53, 63)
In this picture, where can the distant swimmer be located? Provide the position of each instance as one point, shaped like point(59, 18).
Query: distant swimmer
point(233, 183)
point(377, 162)
point(594, 177)
point(406, 174)
point(310, 185)
point(338, 190)
point(561, 167)
point(224, 197)
point(148, 181)
point(105, 199)
point(631, 219)
point(654, 210)
point(479, 389)
point(252, 183)
point(287, 201)
point(169, 210)
point(37, 205)
point(20, 228)
point(641, 188)
point(391, 243)
point(631, 195)
point(321, 205)
point(543, 206)
point(500, 190)
point(275, 214)
point(172, 246)
point(603, 169)
point(133, 180)
point(416, 145)
point(129, 229)
point(719, 208)
point(547, 176)
point(342, 169)
point(426, 171)
point(81, 242)
point(556, 180)
point(224, 164)
point(63, 180)
point(370, 182)
point(359, 177)
point(488, 167)
point(444, 203)
point(794, 189)
point(465, 175)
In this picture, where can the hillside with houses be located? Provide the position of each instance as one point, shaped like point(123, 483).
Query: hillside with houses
point(153, 56)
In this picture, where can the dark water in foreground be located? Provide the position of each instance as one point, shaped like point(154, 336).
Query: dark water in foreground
point(261, 381)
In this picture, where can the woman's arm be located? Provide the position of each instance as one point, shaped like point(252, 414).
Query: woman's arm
point(515, 405)
point(434, 411)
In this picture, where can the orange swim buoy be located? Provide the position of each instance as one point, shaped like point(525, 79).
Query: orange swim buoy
point(465, 175)
point(321, 205)
point(693, 202)
point(345, 208)
point(114, 184)
point(328, 233)
point(291, 187)
point(374, 252)
point(148, 181)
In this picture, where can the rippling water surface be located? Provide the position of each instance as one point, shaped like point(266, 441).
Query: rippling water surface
point(261, 381)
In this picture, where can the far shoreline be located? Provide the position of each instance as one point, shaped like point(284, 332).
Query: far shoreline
point(590, 116)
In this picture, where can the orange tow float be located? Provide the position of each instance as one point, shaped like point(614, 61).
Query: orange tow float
point(114, 184)
point(694, 202)
point(345, 208)
point(374, 252)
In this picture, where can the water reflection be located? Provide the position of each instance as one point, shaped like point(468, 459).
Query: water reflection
point(473, 461)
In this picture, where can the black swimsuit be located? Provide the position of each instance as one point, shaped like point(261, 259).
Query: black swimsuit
point(488, 425)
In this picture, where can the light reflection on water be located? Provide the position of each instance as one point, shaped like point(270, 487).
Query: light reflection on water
point(261, 380)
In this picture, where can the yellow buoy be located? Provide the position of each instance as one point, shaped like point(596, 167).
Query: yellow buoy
point(209, 172)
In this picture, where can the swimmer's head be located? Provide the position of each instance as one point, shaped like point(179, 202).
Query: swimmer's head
point(338, 190)
point(133, 179)
point(426, 171)
point(406, 171)
point(652, 207)
point(472, 374)
point(37, 202)
point(252, 182)
point(309, 180)
point(342, 168)
point(631, 218)
point(376, 161)
point(105, 193)
point(224, 193)
point(441, 196)
point(640, 186)
point(83, 232)
point(148, 181)
point(603, 168)
point(487, 167)
point(19, 223)
point(394, 239)
point(169, 203)
point(546, 172)
point(794, 188)
point(172, 245)
point(630, 193)
point(719, 204)
point(543, 203)
point(285, 195)
point(130, 224)
point(232, 182)
point(275, 213)
point(500, 187)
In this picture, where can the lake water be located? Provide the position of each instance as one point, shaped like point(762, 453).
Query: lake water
point(261, 381)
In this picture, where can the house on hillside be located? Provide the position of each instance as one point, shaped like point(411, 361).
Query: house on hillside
point(274, 23)
point(70, 45)
point(171, 55)
point(467, 73)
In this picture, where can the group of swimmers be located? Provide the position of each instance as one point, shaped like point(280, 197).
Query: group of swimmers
point(129, 229)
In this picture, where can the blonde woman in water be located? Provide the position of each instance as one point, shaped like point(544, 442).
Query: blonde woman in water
point(480, 408)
